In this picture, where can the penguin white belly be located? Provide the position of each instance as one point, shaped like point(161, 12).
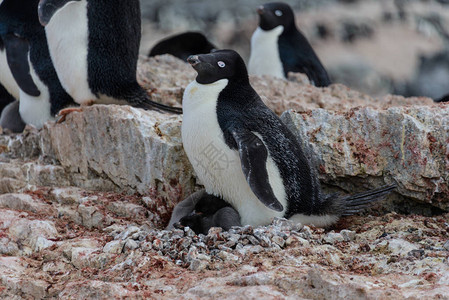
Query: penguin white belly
point(265, 58)
point(6, 78)
point(35, 110)
point(68, 39)
point(216, 165)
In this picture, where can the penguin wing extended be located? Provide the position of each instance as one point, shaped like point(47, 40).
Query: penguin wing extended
point(17, 49)
point(47, 8)
point(253, 157)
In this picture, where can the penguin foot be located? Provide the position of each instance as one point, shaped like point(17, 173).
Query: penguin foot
point(62, 114)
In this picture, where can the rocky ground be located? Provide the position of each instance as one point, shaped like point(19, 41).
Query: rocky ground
point(83, 203)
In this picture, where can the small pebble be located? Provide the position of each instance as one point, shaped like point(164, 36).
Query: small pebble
point(333, 238)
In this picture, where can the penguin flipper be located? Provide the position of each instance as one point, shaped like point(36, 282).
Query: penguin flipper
point(17, 50)
point(47, 8)
point(253, 157)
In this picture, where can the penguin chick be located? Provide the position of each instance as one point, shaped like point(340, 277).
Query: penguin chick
point(244, 154)
point(183, 45)
point(10, 118)
point(278, 47)
point(94, 45)
point(211, 211)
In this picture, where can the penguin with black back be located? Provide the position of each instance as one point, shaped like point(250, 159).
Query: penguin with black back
point(94, 45)
point(9, 91)
point(40, 92)
point(183, 45)
point(5, 97)
point(243, 153)
point(278, 47)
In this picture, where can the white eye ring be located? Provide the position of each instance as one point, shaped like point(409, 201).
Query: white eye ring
point(278, 13)
point(221, 64)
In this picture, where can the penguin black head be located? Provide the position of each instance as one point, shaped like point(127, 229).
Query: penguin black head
point(221, 64)
point(274, 14)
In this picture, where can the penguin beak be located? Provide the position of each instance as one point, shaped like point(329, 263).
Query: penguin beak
point(260, 10)
point(193, 60)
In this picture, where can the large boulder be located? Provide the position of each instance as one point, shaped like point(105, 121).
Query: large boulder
point(109, 147)
point(364, 146)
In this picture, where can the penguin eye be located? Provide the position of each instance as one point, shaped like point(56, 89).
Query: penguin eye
point(278, 13)
point(221, 64)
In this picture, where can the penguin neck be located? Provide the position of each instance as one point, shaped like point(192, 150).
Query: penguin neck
point(240, 90)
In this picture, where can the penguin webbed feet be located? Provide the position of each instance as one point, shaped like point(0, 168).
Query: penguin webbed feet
point(62, 114)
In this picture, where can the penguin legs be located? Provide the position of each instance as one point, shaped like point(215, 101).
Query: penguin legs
point(62, 114)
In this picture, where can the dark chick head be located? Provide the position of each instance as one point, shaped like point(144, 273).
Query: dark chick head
point(221, 64)
point(274, 14)
point(193, 221)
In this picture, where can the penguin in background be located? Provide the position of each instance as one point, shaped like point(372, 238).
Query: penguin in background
point(278, 47)
point(9, 93)
point(94, 45)
point(183, 45)
point(40, 92)
point(243, 153)
point(9, 90)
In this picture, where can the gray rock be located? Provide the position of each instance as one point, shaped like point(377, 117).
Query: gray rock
point(25, 202)
point(140, 151)
point(446, 245)
point(333, 238)
point(91, 217)
point(127, 210)
point(229, 257)
point(348, 235)
point(66, 196)
point(406, 145)
point(114, 247)
point(131, 244)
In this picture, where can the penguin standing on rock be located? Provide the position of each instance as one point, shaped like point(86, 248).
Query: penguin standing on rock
point(9, 89)
point(94, 45)
point(278, 47)
point(9, 93)
point(244, 154)
point(40, 92)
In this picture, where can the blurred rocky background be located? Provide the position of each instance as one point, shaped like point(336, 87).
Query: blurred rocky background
point(374, 46)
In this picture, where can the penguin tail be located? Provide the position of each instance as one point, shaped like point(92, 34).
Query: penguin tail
point(353, 204)
point(151, 105)
point(140, 99)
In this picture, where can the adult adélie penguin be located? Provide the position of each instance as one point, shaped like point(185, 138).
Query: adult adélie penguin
point(244, 154)
point(28, 58)
point(278, 47)
point(9, 93)
point(94, 45)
